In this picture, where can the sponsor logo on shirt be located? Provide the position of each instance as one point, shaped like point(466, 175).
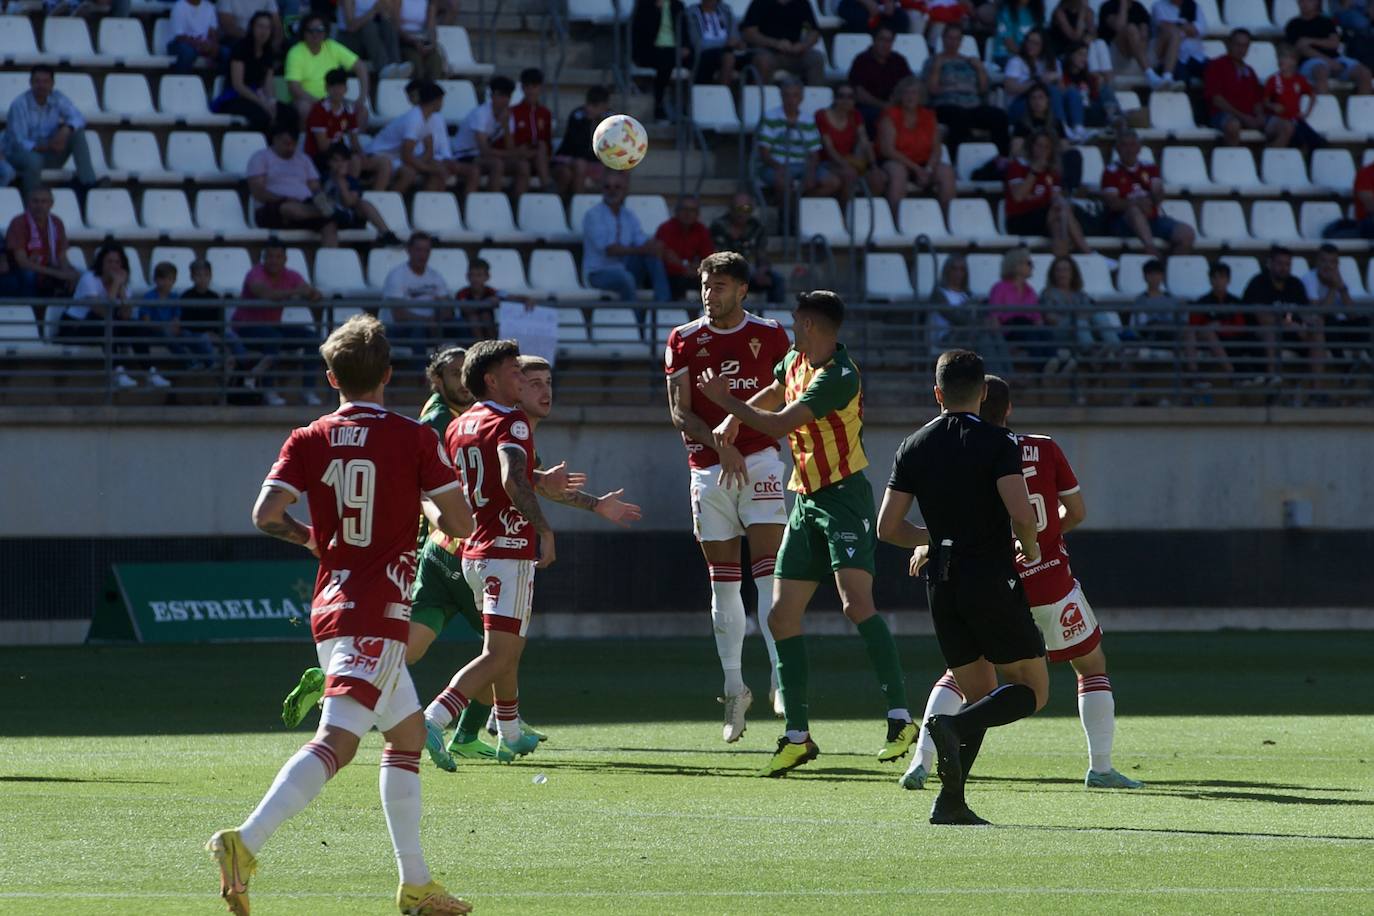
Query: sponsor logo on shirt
point(1071, 619)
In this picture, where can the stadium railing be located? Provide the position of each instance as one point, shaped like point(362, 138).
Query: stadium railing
point(607, 353)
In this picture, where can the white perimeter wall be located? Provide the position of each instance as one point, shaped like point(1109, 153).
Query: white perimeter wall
point(132, 472)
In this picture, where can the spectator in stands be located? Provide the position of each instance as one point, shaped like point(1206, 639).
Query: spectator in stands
point(160, 318)
point(209, 321)
point(262, 326)
point(284, 184)
point(738, 230)
point(713, 33)
point(85, 9)
point(867, 16)
point(368, 28)
point(414, 281)
point(1318, 41)
point(784, 34)
point(1014, 20)
point(1131, 194)
point(1284, 94)
point(314, 56)
point(1179, 26)
point(957, 86)
point(485, 143)
point(686, 242)
point(43, 130)
point(847, 151)
point(236, 19)
point(656, 44)
point(344, 192)
point(195, 34)
point(617, 254)
point(35, 256)
point(1072, 24)
point(1218, 319)
point(479, 300)
point(1155, 312)
point(252, 89)
point(789, 149)
point(532, 127)
point(1276, 286)
point(1236, 98)
point(1035, 204)
point(411, 143)
point(103, 288)
point(1016, 309)
point(909, 145)
point(1033, 65)
point(334, 120)
point(6, 170)
point(1097, 330)
point(1362, 225)
point(875, 73)
point(1039, 118)
point(576, 168)
point(1089, 97)
point(420, 38)
point(1125, 25)
point(1326, 289)
point(957, 319)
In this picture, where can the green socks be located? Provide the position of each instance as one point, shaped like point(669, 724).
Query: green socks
point(792, 674)
point(473, 720)
point(882, 652)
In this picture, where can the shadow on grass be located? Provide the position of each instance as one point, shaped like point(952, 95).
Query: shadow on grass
point(643, 768)
point(97, 780)
point(1157, 783)
point(1167, 831)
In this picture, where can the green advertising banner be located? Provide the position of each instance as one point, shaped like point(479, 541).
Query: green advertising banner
point(163, 603)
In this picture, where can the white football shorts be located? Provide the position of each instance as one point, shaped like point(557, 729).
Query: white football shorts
point(720, 513)
point(367, 684)
point(1069, 626)
point(504, 591)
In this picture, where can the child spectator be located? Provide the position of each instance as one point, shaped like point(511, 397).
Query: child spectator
point(163, 320)
point(1284, 94)
point(1155, 312)
point(334, 119)
point(209, 321)
point(350, 210)
point(532, 127)
point(576, 168)
point(1088, 95)
point(479, 302)
point(1214, 320)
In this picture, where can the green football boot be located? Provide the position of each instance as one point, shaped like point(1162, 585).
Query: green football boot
point(506, 751)
point(303, 699)
point(1110, 780)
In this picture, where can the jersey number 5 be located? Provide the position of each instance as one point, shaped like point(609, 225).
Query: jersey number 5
point(354, 484)
point(474, 461)
point(1037, 501)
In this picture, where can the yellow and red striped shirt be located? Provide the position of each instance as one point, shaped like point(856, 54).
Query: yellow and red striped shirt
point(830, 447)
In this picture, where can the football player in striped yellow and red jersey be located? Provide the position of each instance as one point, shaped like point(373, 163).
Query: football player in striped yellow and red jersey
point(816, 401)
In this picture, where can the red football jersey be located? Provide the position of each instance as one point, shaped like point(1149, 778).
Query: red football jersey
point(1288, 92)
point(1041, 194)
point(362, 470)
point(1048, 477)
point(1127, 182)
point(746, 354)
point(337, 125)
point(474, 441)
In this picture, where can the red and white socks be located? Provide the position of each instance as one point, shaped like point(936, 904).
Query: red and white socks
point(399, 781)
point(1097, 710)
point(447, 706)
point(297, 783)
point(727, 621)
point(945, 700)
point(763, 581)
point(507, 714)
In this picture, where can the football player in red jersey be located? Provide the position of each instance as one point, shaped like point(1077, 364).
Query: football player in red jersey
point(492, 444)
point(364, 471)
point(1061, 612)
point(736, 489)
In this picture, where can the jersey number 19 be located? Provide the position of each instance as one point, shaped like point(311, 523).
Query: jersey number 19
point(354, 484)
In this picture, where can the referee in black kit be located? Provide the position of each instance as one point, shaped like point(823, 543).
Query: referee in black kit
point(966, 476)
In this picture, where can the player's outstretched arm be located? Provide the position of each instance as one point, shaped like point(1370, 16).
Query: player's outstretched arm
point(1072, 511)
point(554, 481)
point(733, 471)
point(893, 526)
point(769, 422)
point(1015, 496)
point(450, 513)
point(270, 517)
point(609, 506)
point(514, 480)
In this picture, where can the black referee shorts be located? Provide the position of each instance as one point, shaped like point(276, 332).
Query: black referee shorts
point(983, 615)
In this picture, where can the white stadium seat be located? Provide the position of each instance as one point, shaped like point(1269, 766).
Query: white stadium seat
point(167, 213)
point(1092, 166)
point(1245, 268)
point(1350, 272)
point(1315, 216)
point(1130, 274)
point(489, 217)
point(814, 98)
point(380, 262)
point(126, 96)
point(237, 148)
point(877, 216)
point(182, 98)
point(1040, 270)
point(984, 270)
point(1224, 221)
point(17, 44)
point(914, 48)
point(847, 46)
point(392, 208)
point(820, 216)
point(1234, 167)
point(138, 284)
point(577, 210)
point(221, 212)
point(541, 216)
point(80, 88)
point(1212, 14)
point(1263, 59)
point(453, 39)
point(1272, 221)
point(190, 153)
point(460, 97)
point(971, 218)
point(652, 210)
point(713, 108)
point(554, 274)
point(1333, 170)
point(971, 157)
point(615, 334)
point(1172, 113)
point(125, 41)
point(228, 267)
point(1183, 167)
point(1249, 14)
point(599, 12)
point(338, 272)
point(1097, 275)
point(1282, 11)
point(507, 272)
point(1181, 210)
point(1326, 117)
point(436, 212)
point(66, 208)
point(1285, 171)
point(918, 216)
point(110, 211)
point(452, 265)
point(69, 39)
point(1186, 276)
point(391, 100)
point(1359, 114)
point(136, 152)
point(295, 260)
point(753, 109)
point(887, 278)
point(12, 204)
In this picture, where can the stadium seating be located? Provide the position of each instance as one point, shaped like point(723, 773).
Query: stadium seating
point(17, 44)
point(555, 274)
point(887, 278)
point(338, 272)
point(67, 40)
point(1272, 221)
point(179, 257)
point(541, 216)
point(458, 52)
point(127, 98)
point(222, 213)
point(237, 148)
point(125, 41)
point(437, 213)
point(489, 217)
point(110, 211)
point(228, 268)
point(136, 154)
point(190, 153)
point(167, 213)
point(507, 271)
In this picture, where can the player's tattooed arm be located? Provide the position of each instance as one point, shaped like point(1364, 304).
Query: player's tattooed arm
point(733, 470)
point(609, 506)
point(515, 481)
point(270, 517)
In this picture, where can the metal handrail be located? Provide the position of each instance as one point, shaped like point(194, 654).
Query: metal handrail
point(854, 249)
point(556, 28)
point(747, 169)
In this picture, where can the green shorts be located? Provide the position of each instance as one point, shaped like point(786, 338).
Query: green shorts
point(832, 529)
point(440, 592)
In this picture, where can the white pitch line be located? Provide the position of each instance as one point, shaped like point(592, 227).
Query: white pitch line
point(617, 893)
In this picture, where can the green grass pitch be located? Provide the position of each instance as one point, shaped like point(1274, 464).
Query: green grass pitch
point(1257, 749)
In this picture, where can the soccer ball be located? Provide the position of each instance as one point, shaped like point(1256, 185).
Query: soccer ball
point(620, 142)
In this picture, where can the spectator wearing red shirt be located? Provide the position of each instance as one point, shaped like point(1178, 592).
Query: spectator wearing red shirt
point(1131, 192)
point(34, 263)
point(261, 326)
point(909, 144)
point(1216, 319)
point(334, 119)
point(875, 74)
point(1033, 201)
point(1235, 97)
point(531, 127)
point(1284, 92)
point(686, 243)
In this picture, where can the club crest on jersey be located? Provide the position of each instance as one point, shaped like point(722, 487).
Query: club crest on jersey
point(512, 520)
point(520, 430)
point(1071, 619)
point(755, 345)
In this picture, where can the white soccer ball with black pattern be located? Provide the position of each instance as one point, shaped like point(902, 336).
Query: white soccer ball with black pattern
point(620, 142)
